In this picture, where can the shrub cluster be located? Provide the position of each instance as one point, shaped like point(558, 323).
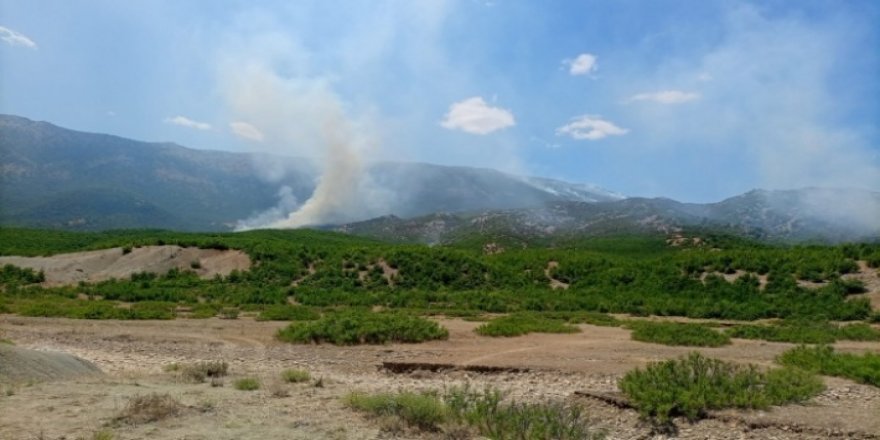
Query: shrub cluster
point(863, 368)
point(675, 333)
point(689, 386)
point(806, 332)
point(517, 324)
point(67, 308)
point(363, 327)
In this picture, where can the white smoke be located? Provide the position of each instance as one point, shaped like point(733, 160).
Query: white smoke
point(302, 116)
point(287, 203)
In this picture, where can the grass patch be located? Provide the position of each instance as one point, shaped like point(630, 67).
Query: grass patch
point(490, 416)
point(806, 332)
point(149, 408)
point(863, 368)
point(517, 324)
point(103, 434)
point(675, 333)
point(689, 386)
point(295, 376)
point(362, 327)
point(482, 412)
point(287, 313)
point(421, 410)
point(247, 384)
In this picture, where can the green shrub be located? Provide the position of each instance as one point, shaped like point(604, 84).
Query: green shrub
point(690, 386)
point(674, 333)
point(247, 384)
point(517, 324)
point(824, 360)
point(363, 327)
point(295, 376)
point(287, 313)
point(424, 411)
point(874, 318)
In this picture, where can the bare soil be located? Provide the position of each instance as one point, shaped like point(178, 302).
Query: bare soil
point(101, 265)
point(134, 353)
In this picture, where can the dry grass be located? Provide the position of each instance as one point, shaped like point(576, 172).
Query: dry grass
point(200, 371)
point(150, 408)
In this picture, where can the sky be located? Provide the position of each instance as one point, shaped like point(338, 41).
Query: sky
point(695, 100)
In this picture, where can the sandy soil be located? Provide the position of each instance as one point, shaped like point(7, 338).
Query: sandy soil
point(101, 265)
point(133, 354)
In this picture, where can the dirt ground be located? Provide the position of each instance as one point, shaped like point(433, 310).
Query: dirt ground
point(101, 265)
point(133, 354)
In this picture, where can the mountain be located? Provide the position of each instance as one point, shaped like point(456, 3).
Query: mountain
point(59, 178)
point(811, 214)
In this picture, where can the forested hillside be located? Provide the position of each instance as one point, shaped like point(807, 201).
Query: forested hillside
point(700, 277)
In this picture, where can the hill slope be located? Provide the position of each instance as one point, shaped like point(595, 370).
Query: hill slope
point(827, 215)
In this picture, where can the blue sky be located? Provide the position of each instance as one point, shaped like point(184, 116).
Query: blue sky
point(694, 100)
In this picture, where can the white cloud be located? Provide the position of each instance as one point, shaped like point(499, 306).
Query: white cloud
point(15, 39)
point(474, 116)
point(590, 127)
point(583, 64)
point(183, 121)
point(666, 97)
point(247, 131)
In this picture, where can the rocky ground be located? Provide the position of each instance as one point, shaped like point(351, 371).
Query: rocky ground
point(134, 356)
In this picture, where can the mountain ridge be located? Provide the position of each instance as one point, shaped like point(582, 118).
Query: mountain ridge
point(216, 190)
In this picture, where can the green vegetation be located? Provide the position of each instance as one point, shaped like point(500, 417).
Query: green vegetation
point(11, 276)
point(363, 327)
point(49, 306)
point(636, 275)
point(824, 360)
point(674, 333)
point(287, 313)
point(690, 386)
point(523, 323)
point(295, 376)
point(806, 332)
point(483, 412)
point(247, 384)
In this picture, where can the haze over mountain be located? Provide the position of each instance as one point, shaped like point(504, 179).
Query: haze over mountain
point(59, 178)
point(789, 216)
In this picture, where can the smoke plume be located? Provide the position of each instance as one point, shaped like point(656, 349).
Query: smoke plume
point(303, 117)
